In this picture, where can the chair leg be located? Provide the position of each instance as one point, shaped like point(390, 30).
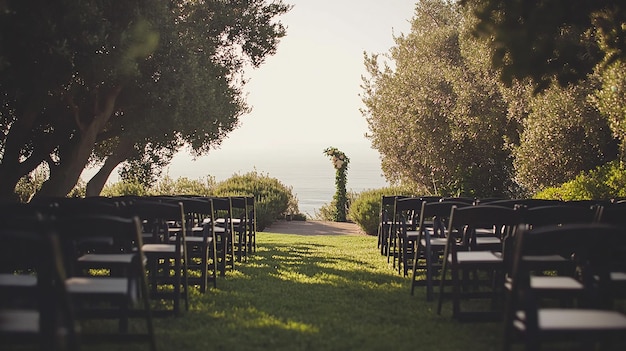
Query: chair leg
point(442, 280)
point(429, 275)
point(414, 275)
point(456, 292)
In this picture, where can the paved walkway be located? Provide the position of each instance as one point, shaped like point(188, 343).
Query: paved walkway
point(311, 227)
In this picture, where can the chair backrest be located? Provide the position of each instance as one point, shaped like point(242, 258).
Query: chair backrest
point(590, 245)
point(407, 206)
point(97, 233)
point(512, 203)
point(239, 209)
point(157, 215)
point(439, 212)
point(466, 220)
point(251, 206)
point(467, 200)
point(560, 214)
point(613, 214)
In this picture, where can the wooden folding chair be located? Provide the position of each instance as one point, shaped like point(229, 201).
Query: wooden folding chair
point(474, 235)
point(200, 239)
point(107, 279)
point(166, 254)
point(34, 303)
point(588, 323)
point(431, 243)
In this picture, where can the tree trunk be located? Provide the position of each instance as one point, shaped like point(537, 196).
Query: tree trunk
point(11, 169)
point(65, 175)
point(121, 153)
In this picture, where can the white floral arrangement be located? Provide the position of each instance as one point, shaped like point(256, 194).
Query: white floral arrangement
point(338, 158)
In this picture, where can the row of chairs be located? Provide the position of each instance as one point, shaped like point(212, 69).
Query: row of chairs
point(464, 238)
point(109, 256)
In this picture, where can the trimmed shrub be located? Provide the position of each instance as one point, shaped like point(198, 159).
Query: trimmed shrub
point(365, 208)
point(123, 188)
point(273, 199)
point(604, 182)
point(184, 186)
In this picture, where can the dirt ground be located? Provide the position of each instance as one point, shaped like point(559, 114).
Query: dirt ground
point(311, 227)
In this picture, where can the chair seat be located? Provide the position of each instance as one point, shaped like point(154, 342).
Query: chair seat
point(475, 257)
point(438, 242)
point(488, 240)
point(412, 234)
point(571, 320)
point(18, 280)
point(159, 248)
point(555, 283)
point(195, 240)
point(619, 277)
point(545, 258)
point(97, 285)
point(19, 321)
point(107, 258)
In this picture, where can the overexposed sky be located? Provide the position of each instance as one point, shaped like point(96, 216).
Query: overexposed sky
point(306, 97)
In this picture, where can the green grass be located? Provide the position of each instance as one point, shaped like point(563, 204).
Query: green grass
point(316, 293)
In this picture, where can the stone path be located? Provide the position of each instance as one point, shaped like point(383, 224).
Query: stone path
point(311, 227)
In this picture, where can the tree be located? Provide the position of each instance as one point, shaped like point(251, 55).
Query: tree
point(563, 135)
point(106, 81)
point(438, 118)
point(547, 40)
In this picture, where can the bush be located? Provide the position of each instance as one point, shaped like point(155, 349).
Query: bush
point(184, 186)
point(273, 199)
point(604, 182)
point(365, 208)
point(123, 188)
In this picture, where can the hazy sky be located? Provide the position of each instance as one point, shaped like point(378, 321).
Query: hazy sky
point(306, 97)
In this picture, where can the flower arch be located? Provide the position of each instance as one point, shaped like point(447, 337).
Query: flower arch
point(340, 163)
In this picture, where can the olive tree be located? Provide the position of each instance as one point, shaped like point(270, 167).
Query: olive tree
point(109, 81)
point(437, 116)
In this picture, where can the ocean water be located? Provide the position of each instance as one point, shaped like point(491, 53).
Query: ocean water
point(307, 171)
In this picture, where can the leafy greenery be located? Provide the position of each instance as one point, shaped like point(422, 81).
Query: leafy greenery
point(340, 199)
point(273, 199)
point(365, 208)
point(438, 118)
point(549, 40)
point(465, 133)
point(563, 134)
point(92, 82)
point(316, 293)
point(604, 182)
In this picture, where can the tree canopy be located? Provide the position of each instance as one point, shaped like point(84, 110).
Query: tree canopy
point(547, 40)
point(444, 122)
point(110, 81)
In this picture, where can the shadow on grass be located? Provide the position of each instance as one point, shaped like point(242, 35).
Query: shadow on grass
point(329, 293)
point(316, 293)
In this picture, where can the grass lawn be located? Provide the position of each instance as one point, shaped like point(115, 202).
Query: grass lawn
point(315, 293)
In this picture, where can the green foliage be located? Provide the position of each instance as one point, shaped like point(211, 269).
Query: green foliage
point(438, 118)
point(125, 188)
point(328, 211)
point(551, 40)
point(604, 182)
point(273, 199)
point(184, 186)
point(611, 100)
point(563, 134)
point(365, 208)
point(340, 200)
point(30, 184)
point(93, 81)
